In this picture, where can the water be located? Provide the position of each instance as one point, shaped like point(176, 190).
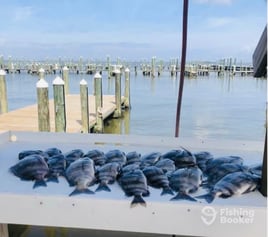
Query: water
point(212, 107)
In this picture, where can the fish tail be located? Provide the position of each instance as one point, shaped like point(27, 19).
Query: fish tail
point(138, 200)
point(39, 183)
point(183, 196)
point(53, 179)
point(167, 190)
point(209, 197)
point(81, 191)
point(103, 187)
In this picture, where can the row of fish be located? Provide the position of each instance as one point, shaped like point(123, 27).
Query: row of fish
point(179, 172)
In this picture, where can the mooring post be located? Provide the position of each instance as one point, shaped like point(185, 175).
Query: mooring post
point(84, 106)
point(3, 92)
point(153, 67)
point(1, 61)
point(41, 72)
point(118, 110)
point(59, 104)
point(43, 104)
point(127, 88)
point(99, 128)
point(65, 76)
point(108, 67)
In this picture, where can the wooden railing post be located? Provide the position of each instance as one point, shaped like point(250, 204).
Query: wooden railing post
point(84, 106)
point(98, 103)
point(118, 110)
point(3, 93)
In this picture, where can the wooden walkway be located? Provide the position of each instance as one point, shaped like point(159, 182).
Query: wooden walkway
point(26, 119)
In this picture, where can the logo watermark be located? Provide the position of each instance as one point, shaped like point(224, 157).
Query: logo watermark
point(227, 215)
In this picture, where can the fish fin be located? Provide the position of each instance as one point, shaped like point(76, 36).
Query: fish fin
point(53, 179)
point(183, 196)
point(39, 183)
point(146, 194)
point(103, 187)
point(138, 200)
point(167, 190)
point(81, 191)
point(209, 197)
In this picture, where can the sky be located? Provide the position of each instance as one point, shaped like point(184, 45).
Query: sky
point(130, 29)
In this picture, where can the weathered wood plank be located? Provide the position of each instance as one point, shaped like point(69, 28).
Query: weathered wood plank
point(26, 119)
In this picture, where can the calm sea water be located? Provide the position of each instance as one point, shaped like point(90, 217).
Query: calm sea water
point(212, 107)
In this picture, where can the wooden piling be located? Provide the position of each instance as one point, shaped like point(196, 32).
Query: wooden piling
point(99, 128)
point(65, 76)
point(118, 110)
point(3, 93)
point(59, 105)
point(43, 105)
point(108, 67)
point(41, 72)
point(153, 67)
point(127, 88)
point(84, 106)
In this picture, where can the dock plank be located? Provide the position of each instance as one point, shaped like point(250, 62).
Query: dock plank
point(26, 119)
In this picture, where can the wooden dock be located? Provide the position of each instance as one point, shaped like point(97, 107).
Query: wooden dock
point(26, 119)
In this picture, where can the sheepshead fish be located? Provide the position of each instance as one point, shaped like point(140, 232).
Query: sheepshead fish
point(256, 169)
point(157, 179)
point(202, 158)
point(220, 171)
point(232, 185)
point(57, 166)
point(185, 181)
point(131, 167)
point(107, 174)
point(135, 184)
point(116, 156)
point(167, 165)
point(133, 157)
point(53, 151)
point(26, 153)
point(150, 159)
point(212, 164)
point(73, 155)
point(81, 174)
point(31, 167)
point(182, 158)
point(97, 156)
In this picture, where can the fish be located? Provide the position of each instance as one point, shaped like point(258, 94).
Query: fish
point(31, 167)
point(182, 158)
point(133, 157)
point(135, 184)
point(185, 181)
point(107, 174)
point(53, 151)
point(202, 157)
point(157, 179)
point(81, 173)
point(150, 159)
point(57, 166)
point(167, 165)
point(26, 153)
point(213, 163)
point(97, 156)
point(131, 167)
point(233, 184)
point(220, 171)
point(116, 156)
point(73, 155)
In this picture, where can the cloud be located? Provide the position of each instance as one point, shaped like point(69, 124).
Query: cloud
point(215, 22)
point(22, 13)
point(219, 2)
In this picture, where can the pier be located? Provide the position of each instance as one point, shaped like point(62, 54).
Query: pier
point(26, 119)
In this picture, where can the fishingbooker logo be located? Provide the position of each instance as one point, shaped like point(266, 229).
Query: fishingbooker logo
point(227, 215)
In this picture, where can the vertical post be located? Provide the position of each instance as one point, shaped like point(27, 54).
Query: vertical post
point(84, 106)
point(153, 67)
point(3, 230)
point(118, 111)
point(1, 62)
point(3, 92)
point(9, 64)
point(65, 76)
point(43, 103)
point(108, 67)
point(59, 105)
point(98, 103)
point(127, 88)
point(41, 73)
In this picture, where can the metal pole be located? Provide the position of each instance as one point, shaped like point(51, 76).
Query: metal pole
point(183, 59)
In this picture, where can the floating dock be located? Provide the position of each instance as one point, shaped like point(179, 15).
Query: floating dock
point(26, 119)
